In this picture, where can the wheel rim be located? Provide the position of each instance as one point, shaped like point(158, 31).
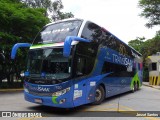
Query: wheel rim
point(133, 88)
point(98, 95)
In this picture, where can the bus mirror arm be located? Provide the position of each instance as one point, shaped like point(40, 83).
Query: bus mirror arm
point(68, 42)
point(16, 46)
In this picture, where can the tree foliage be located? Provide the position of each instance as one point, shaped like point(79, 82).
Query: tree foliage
point(137, 43)
point(151, 11)
point(146, 48)
point(53, 8)
point(18, 23)
point(151, 46)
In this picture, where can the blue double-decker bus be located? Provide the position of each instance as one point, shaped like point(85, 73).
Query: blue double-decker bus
point(74, 62)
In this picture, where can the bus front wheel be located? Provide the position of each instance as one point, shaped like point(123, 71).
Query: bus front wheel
point(99, 95)
point(134, 88)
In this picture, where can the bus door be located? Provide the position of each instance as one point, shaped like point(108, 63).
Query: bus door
point(81, 71)
point(79, 93)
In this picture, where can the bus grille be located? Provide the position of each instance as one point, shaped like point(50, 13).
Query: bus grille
point(41, 94)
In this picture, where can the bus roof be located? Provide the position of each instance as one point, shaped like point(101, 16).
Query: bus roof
point(58, 21)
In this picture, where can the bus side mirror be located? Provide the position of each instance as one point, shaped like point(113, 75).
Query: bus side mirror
point(16, 46)
point(68, 42)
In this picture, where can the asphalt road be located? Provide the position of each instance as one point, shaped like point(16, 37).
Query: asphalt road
point(129, 104)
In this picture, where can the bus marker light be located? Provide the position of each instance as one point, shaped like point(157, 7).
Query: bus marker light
point(92, 83)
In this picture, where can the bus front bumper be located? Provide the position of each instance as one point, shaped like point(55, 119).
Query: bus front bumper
point(60, 102)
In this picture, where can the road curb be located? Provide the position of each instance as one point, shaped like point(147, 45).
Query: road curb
point(152, 86)
point(11, 90)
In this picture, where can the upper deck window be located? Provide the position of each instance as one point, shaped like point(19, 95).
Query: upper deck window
point(58, 32)
point(92, 32)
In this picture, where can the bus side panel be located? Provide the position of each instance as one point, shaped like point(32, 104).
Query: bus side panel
point(92, 84)
point(140, 73)
point(112, 86)
point(116, 85)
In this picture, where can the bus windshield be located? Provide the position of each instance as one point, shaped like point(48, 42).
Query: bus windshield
point(58, 32)
point(50, 62)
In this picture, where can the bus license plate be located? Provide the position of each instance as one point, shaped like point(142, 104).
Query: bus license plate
point(38, 100)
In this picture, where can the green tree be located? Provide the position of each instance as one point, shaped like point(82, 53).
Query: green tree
point(137, 43)
point(146, 48)
point(53, 8)
point(18, 23)
point(151, 11)
point(151, 46)
point(65, 15)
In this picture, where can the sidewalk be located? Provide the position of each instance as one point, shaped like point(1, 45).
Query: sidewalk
point(4, 82)
point(11, 90)
point(153, 86)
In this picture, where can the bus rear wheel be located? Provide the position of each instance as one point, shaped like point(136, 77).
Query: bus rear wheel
point(137, 86)
point(99, 95)
point(134, 88)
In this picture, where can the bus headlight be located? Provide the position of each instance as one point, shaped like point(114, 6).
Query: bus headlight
point(61, 92)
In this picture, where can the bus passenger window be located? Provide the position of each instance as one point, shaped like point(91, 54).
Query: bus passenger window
point(116, 69)
point(92, 32)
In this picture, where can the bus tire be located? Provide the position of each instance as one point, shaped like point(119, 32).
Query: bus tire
point(99, 95)
point(137, 86)
point(134, 87)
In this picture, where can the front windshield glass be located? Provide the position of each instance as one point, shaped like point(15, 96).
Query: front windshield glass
point(49, 62)
point(58, 32)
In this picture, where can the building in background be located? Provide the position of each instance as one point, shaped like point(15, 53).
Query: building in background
point(154, 69)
